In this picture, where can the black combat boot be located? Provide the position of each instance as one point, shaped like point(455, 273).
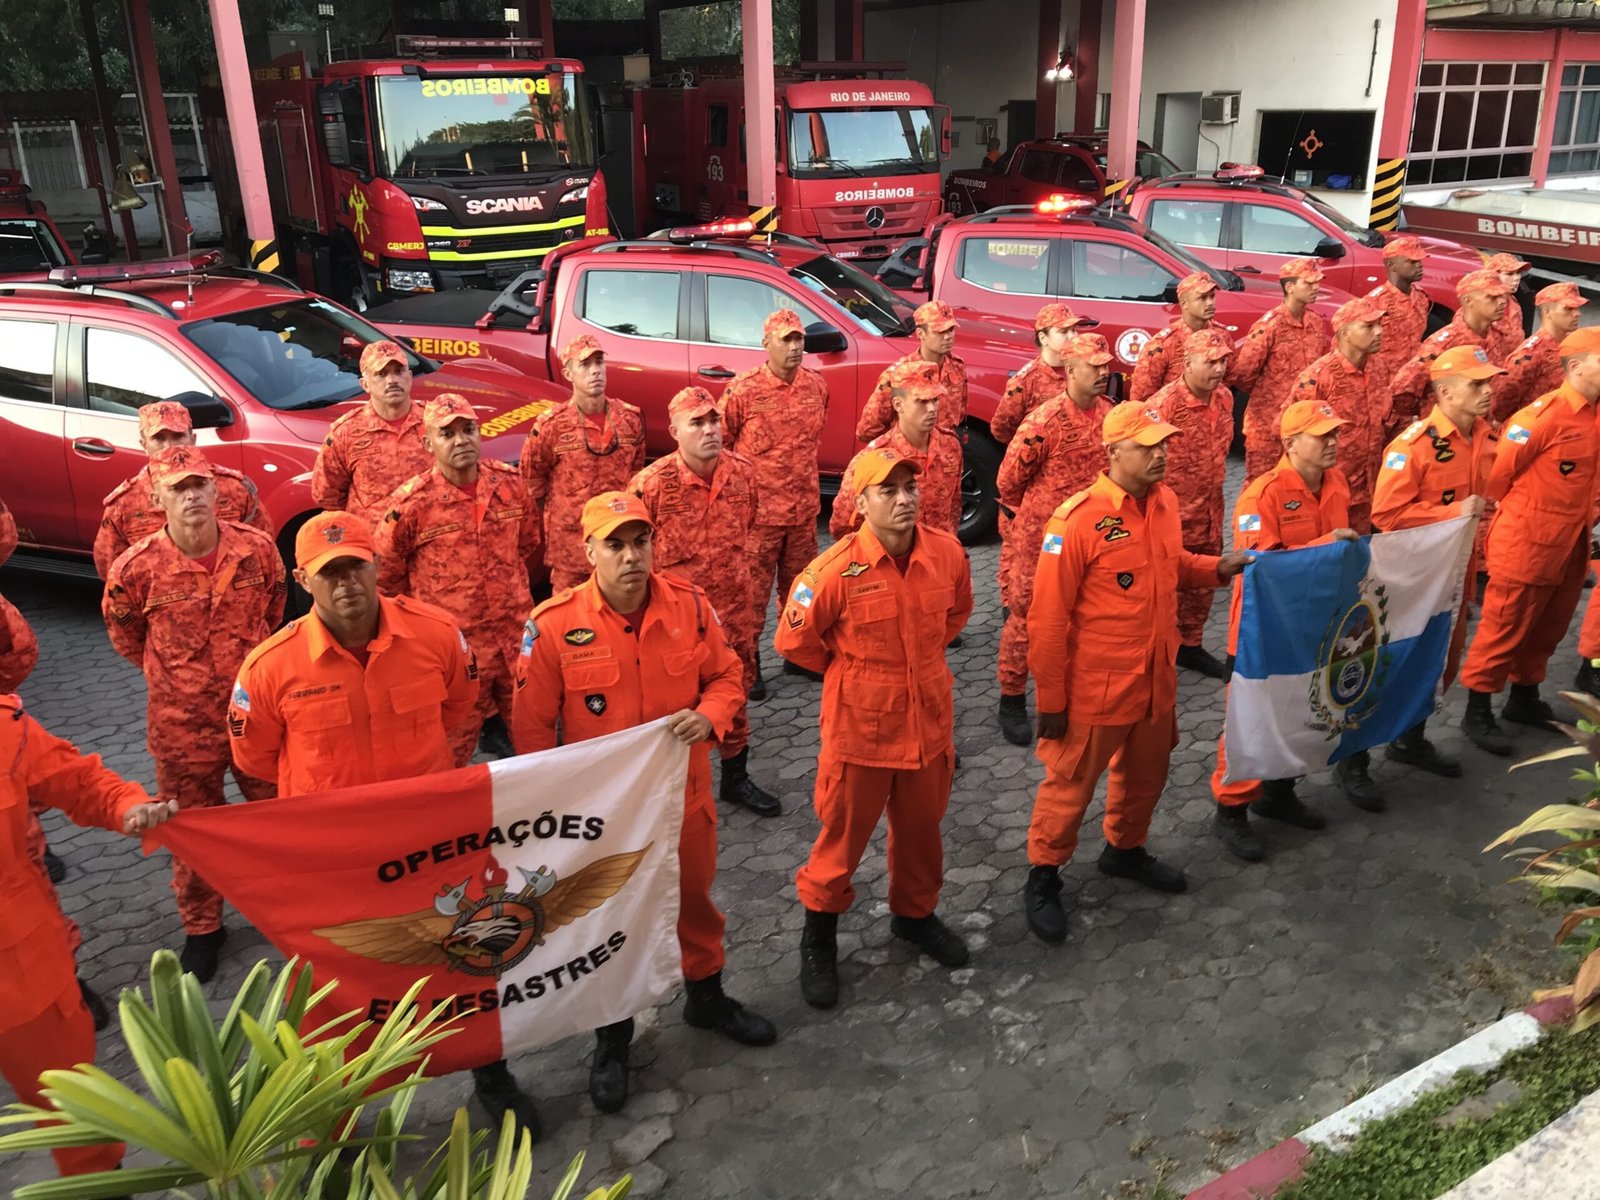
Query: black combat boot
point(53, 866)
point(1278, 802)
point(758, 685)
point(933, 937)
point(1588, 679)
point(739, 788)
point(790, 668)
point(1139, 865)
point(1357, 783)
point(98, 1013)
point(1231, 824)
point(608, 1072)
point(819, 959)
point(707, 1006)
point(1525, 707)
point(199, 954)
point(1415, 750)
point(1201, 660)
point(1041, 904)
point(1482, 730)
point(500, 1094)
point(1014, 724)
point(495, 739)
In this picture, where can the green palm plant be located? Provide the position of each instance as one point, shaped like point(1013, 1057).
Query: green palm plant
point(259, 1108)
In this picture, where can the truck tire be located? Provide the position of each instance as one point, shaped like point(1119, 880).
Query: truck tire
point(352, 286)
point(980, 496)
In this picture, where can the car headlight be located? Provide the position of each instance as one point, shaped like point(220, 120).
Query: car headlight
point(408, 281)
point(575, 194)
point(425, 204)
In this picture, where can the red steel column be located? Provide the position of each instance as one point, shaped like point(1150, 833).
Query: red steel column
point(849, 30)
point(1399, 106)
point(244, 133)
point(760, 97)
point(1547, 113)
point(1045, 90)
point(1127, 77)
point(1087, 64)
point(174, 220)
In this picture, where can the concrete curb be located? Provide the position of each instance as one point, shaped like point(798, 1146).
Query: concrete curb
point(1261, 1177)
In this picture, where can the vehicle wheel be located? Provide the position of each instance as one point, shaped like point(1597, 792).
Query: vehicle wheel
point(352, 286)
point(1438, 317)
point(980, 496)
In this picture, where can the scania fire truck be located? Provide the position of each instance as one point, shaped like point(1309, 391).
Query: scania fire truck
point(391, 177)
point(857, 159)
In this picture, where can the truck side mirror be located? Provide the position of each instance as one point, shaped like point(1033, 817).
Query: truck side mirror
point(1329, 247)
point(822, 338)
point(205, 410)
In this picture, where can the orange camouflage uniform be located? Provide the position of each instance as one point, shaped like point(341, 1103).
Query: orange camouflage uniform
point(188, 629)
point(701, 524)
point(1034, 383)
point(566, 461)
point(364, 458)
point(467, 553)
point(1409, 386)
point(131, 512)
point(938, 481)
point(878, 415)
point(777, 428)
point(1161, 359)
point(1506, 334)
point(1056, 453)
point(1359, 395)
point(1196, 464)
point(1266, 363)
point(1405, 324)
point(1532, 369)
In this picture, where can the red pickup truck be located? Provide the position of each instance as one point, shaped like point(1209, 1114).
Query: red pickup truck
point(1067, 164)
point(30, 243)
point(687, 307)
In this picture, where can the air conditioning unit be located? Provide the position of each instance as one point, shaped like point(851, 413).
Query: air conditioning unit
point(1219, 108)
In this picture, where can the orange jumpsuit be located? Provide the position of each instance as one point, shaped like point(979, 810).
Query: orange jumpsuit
point(1506, 334)
point(1266, 363)
point(131, 512)
point(1276, 511)
point(188, 628)
point(777, 428)
point(43, 1023)
point(1544, 477)
point(1532, 369)
point(1428, 473)
point(702, 529)
point(939, 482)
point(1410, 383)
point(876, 627)
point(1359, 395)
point(1056, 453)
point(1405, 324)
point(1102, 640)
point(878, 414)
point(1161, 361)
point(1035, 382)
point(364, 458)
point(308, 714)
point(569, 459)
point(632, 670)
point(1197, 462)
point(467, 553)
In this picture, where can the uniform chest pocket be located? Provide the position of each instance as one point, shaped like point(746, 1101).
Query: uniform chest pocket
point(321, 724)
point(937, 602)
point(681, 662)
point(590, 676)
point(872, 607)
point(413, 697)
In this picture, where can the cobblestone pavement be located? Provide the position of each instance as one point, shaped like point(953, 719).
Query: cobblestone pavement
point(1168, 1038)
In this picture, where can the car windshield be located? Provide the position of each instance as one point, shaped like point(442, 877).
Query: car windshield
point(835, 142)
point(304, 354)
point(1226, 280)
point(29, 245)
point(482, 125)
point(1367, 237)
point(1147, 164)
point(861, 297)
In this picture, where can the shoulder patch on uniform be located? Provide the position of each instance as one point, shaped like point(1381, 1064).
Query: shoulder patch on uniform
point(1394, 461)
point(1517, 433)
point(1249, 522)
point(803, 594)
point(1413, 431)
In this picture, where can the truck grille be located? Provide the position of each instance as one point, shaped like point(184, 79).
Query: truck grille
point(902, 219)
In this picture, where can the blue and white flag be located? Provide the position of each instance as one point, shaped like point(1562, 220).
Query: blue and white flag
point(1341, 647)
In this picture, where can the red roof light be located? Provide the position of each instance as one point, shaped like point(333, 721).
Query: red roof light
point(165, 268)
point(1231, 170)
point(689, 233)
point(1063, 204)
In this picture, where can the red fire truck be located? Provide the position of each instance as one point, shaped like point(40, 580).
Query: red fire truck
point(857, 159)
point(391, 177)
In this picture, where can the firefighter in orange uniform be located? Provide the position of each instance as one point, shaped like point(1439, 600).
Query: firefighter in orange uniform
point(1484, 298)
point(1506, 334)
point(1163, 358)
point(1544, 478)
point(1041, 378)
point(936, 338)
point(1349, 380)
point(1269, 359)
point(132, 511)
point(1303, 501)
point(1435, 470)
point(772, 416)
point(1404, 305)
point(44, 1025)
point(364, 688)
point(373, 450)
point(1534, 367)
point(703, 502)
point(874, 613)
point(1055, 454)
point(590, 444)
point(652, 647)
point(1199, 405)
point(918, 436)
point(462, 538)
point(1102, 639)
point(185, 605)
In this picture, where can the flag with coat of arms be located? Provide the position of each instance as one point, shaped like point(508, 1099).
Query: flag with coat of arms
point(1341, 646)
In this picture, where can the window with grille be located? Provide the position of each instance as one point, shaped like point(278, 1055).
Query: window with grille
point(1475, 122)
point(1575, 145)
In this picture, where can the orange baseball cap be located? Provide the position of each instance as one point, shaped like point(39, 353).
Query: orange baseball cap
point(1504, 264)
point(331, 535)
point(164, 414)
point(377, 354)
point(691, 402)
point(1362, 308)
point(1309, 416)
point(1196, 282)
point(935, 315)
point(582, 347)
point(1301, 268)
point(1140, 422)
point(875, 464)
point(179, 462)
point(1213, 343)
point(1470, 361)
point(447, 407)
point(1089, 347)
point(919, 378)
point(1581, 341)
point(783, 322)
point(611, 510)
point(1056, 315)
point(1564, 294)
point(1404, 246)
point(1485, 281)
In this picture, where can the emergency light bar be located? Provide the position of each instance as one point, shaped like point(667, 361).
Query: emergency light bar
point(689, 233)
point(1063, 204)
point(166, 268)
point(1232, 170)
point(11, 184)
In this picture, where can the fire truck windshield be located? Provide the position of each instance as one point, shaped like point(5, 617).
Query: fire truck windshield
point(833, 142)
point(28, 245)
point(482, 125)
point(866, 301)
